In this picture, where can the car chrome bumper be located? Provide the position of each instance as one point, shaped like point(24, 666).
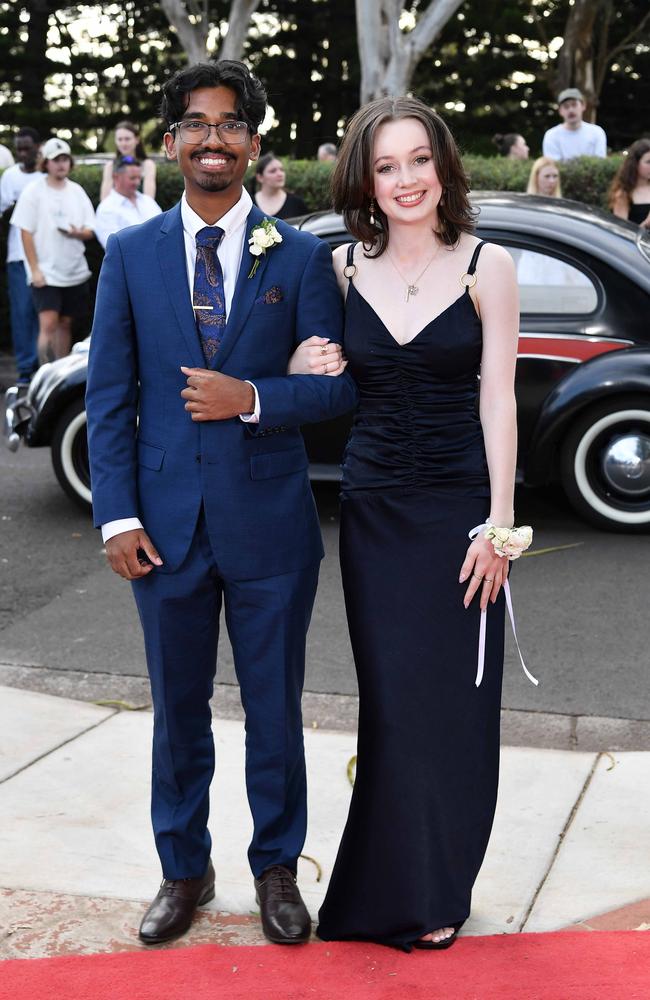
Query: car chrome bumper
point(18, 413)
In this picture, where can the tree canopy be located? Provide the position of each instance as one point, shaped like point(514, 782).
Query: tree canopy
point(493, 65)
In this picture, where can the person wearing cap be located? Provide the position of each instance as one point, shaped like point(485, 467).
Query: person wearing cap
point(125, 205)
point(573, 137)
point(56, 218)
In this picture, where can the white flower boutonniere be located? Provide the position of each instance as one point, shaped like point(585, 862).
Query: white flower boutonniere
point(263, 236)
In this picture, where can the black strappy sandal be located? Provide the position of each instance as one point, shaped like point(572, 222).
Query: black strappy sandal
point(435, 945)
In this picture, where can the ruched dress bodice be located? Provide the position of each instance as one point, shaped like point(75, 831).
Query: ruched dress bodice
point(417, 424)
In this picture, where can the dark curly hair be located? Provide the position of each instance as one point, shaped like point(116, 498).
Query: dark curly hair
point(27, 132)
point(352, 179)
point(627, 176)
point(251, 96)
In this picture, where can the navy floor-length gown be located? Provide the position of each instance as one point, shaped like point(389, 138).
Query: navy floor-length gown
point(415, 481)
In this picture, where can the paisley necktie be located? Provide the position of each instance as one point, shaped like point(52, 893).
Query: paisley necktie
point(209, 301)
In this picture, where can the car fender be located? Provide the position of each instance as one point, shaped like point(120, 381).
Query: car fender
point(60, 386)
point(615, 374)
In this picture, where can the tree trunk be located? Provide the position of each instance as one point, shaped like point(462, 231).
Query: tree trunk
point(33, 80)
point(388, 55)
point(241, 12)
point(193, 37)
point(575, 62)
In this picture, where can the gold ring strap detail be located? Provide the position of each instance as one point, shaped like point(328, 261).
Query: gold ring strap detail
point(468, 280)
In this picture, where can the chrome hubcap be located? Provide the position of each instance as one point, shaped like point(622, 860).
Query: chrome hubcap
point(626, 464)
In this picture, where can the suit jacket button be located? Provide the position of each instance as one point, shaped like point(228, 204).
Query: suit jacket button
point(198, 458)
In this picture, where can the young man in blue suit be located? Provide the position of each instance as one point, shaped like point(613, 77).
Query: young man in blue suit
point(199, 480)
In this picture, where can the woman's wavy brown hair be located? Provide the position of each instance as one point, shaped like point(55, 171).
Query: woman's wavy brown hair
point(627, 176)
point(352, 184)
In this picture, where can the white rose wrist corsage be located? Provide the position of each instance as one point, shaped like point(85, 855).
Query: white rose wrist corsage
point(509, 543)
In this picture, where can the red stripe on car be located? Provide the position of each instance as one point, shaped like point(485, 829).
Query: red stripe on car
point(571, 348)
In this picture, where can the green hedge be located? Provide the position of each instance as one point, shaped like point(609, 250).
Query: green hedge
point(585, 179)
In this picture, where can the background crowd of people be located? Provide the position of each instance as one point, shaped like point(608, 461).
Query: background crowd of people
point(629, 195)
point(51, 217)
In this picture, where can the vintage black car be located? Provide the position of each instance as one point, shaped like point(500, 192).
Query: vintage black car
point(583, 370)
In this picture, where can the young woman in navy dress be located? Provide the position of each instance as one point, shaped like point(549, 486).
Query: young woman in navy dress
point(429, 308)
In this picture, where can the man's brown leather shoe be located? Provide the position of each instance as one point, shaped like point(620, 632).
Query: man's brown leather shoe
point(173, 909)
point(285, 919)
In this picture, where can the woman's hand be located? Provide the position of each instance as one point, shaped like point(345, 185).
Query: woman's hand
point(484, 569)
point(317, 356)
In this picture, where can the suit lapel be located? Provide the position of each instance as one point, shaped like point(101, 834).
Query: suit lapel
point(171, 255)
point(246, 291)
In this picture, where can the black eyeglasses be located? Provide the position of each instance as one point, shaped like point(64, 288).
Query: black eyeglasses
point(194, 132)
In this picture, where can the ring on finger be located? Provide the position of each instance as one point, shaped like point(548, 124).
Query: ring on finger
point(487, 579)
point(323, 349)
point(477, 577)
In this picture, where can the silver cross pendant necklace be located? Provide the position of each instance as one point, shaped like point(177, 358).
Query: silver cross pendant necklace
point(412, 287)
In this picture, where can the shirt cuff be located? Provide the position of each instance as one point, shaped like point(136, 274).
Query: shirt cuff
point(117, 527)
point(254, 417)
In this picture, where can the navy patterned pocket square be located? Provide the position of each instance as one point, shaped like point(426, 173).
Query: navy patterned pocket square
point(270, 297)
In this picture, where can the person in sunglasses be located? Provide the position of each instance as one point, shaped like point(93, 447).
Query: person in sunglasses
point(126, 205)
point(200, 484)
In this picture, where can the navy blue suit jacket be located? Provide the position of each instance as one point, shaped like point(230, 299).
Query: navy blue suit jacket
point(150, 460)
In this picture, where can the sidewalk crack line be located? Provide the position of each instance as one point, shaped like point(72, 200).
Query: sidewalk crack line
point(560, 840)
point(52, 750)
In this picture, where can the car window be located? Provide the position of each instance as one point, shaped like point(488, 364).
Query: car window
point(550, 285)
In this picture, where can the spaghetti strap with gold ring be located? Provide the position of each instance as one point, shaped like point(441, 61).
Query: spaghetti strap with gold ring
point(349, 271)
point(468, 280)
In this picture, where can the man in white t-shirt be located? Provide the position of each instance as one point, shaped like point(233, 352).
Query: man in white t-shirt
point(573, 137)
point(125, 205)
point(24, 321)
point(56, 218)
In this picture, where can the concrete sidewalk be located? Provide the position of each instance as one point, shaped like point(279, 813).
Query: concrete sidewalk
point(77, 863)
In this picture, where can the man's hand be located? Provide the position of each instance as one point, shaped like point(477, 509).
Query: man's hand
point(38, 279)
point(215, 396)
point(124, 552)
point(78, 233)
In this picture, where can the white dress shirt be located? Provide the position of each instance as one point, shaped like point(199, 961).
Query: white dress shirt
point(117, 212)
point(229, 253)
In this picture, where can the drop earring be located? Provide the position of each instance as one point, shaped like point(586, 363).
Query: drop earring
point(372, 212)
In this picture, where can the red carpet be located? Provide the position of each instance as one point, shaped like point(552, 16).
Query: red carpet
point(563, 966)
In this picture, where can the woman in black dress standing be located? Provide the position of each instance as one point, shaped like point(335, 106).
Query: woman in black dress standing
point(272, 198)
point(428, 306)
point(629, 194)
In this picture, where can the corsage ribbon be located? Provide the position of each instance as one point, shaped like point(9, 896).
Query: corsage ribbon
point(483, 627)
